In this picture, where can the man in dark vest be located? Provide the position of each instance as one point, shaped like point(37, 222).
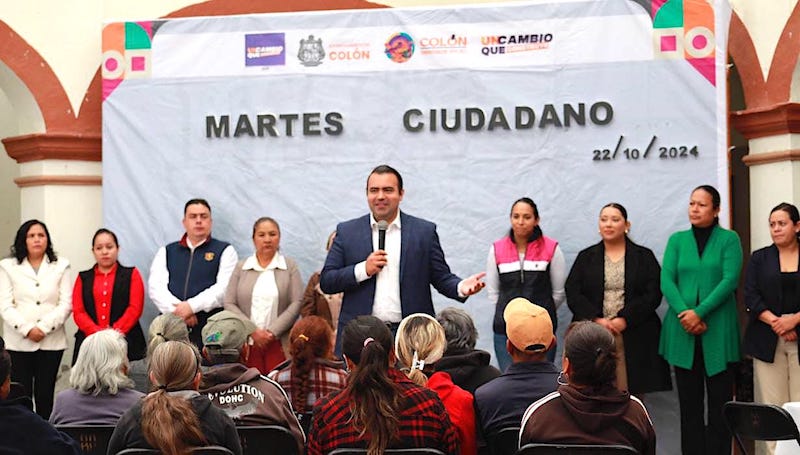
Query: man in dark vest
point(189, 277)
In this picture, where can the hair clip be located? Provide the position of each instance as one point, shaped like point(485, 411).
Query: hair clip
point(416, 363)
point(302, 337)
point(368, 341)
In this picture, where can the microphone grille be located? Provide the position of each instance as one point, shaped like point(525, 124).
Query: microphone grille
point(383, 225)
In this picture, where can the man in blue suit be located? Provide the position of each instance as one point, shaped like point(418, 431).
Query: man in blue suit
point(393, 282)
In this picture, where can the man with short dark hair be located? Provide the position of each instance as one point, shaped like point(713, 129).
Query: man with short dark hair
point(500, 403)
point(243, 393)
point(189, 277)
point(394, 281)
point(22, 430)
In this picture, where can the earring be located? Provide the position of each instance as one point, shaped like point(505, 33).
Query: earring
point(562, 378)
point(626, 231)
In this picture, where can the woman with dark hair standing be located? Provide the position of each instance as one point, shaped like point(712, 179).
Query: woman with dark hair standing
point(616, 283)
point(526, 264)
point(772, 297)
point(588, 408)
point(700, 337)
point(175, 417)
point(311, 373)
point(109, 295)
point(35, 300)
point(380, 408)
point(267, 289)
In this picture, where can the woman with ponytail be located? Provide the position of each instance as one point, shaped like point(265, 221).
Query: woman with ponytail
point(419, 344)
point(588, 408)
point(311, 373)
point(772, 297)
point(174, 418)
point(380, 408)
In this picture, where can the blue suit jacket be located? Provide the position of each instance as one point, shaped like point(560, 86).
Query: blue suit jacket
point(422, 264)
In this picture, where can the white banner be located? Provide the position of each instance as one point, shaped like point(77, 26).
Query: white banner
point(575, 104)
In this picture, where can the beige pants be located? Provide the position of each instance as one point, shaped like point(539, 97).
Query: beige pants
point(622, 371)
point(777, 382)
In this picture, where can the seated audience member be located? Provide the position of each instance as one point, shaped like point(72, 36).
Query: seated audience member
point(419, 344)
point(468, 367)
point(165, 327)
point(501, 402)
point(175, 417)
point(380, 408)
point(588, 408)
point(21, 430)
point(311, 373)
point(262, 401)
point(317, 303)
point(100, 389)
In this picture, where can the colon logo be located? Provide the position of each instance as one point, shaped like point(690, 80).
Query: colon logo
point(265, 49)
point(311, 51)
point(399, 47)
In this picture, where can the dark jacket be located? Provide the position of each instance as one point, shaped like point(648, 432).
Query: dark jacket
point(501, 402)
point(217, 427)
point(605, 416)
point(647, 370)
point(23, 432)
point(468, 369)
point(763, 291)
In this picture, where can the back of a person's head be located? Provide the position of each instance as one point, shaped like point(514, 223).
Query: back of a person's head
point(226, 336)
point(166, 327)
point(5, 369)
point(592, 356)
point(169, 423)
point(459, 329)
point(102, 364)
point(374, 397)
point(420, 341)
point(311, 338)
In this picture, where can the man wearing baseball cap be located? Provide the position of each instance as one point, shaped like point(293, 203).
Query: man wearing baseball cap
point(243, 393)
point(501, 402)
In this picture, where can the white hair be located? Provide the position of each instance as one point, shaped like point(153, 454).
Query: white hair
point(102, 364)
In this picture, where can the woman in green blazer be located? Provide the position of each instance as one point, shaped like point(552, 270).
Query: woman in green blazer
point(700, 335)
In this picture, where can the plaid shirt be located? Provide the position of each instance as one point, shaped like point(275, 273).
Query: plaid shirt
point(325, 378)
point(423, 422)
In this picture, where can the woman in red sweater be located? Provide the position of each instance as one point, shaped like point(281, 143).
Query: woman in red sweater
point(109, 295)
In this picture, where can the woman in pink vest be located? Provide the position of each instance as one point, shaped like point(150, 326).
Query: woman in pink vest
point(526, 264)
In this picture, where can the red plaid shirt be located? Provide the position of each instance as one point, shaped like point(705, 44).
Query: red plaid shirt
point(325, 378)
point(423, 422)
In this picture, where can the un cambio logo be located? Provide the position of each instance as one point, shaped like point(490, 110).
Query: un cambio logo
point(400, 47)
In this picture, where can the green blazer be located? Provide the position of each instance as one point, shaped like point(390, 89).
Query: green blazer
point(706, 285)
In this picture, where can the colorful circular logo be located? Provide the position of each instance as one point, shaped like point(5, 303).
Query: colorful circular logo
point(400, 47)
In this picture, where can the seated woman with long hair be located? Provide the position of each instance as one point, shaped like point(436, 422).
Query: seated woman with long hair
point(588, 408)
point(419, 344)
point(380, 408)
point(100, 389)
point(311, 373)
point(174, 418)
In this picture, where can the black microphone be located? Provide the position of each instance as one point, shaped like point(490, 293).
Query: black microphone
point(382, 226)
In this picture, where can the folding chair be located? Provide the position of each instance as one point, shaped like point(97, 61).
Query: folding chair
point(505, 442)
point(256, 439)
point(93, 439)
point(759, 422)
point(536, 448)
point(417, 451)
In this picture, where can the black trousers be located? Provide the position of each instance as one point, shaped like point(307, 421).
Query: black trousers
point(697, 437)
point(37, 371)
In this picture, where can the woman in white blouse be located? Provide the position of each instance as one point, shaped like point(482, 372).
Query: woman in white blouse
point(266, 288)
point(35, 300)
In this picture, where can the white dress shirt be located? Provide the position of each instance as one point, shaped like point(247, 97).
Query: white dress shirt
point(265, 291)
point(386, 304)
